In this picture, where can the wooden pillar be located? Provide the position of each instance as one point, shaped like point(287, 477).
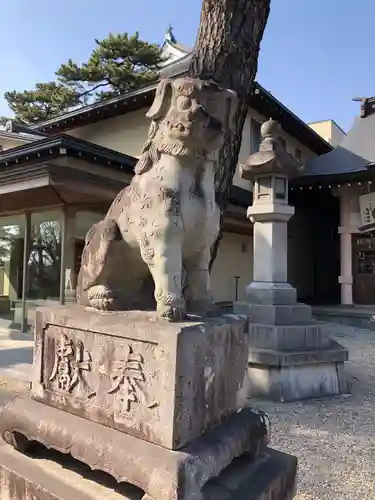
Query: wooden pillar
point(25, 277)
point(346, 252)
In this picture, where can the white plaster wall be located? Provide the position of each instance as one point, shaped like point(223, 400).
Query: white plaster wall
point(127, 133)
point(9, 143)
point(323, 129)
point(235, 258)
point(329, 131)
point(337, 135)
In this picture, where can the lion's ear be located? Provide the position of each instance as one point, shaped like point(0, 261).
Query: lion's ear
point(162, 100)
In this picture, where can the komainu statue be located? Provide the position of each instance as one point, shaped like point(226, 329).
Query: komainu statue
point(154, 243)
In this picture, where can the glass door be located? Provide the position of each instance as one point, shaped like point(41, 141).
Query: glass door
point(43, 262)
point(364, 268)
point(12, 238)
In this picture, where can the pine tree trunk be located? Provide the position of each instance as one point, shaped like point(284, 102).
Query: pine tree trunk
point(226, 51)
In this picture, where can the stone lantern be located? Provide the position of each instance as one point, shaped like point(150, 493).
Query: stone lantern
point(270, 169)
point(291, 355)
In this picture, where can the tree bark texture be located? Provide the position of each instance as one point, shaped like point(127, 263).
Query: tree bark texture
point(226, 51)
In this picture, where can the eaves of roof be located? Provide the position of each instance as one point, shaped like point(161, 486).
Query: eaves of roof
point(66, 145)
point(261, 100)
point(18, 137)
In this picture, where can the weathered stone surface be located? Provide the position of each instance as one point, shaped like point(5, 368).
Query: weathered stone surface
point(48, 475)
point(163, 225)
point(271, 293)
point(164, 382)
point(291, 375)
point(296, 382)
point(161, 473)
point(333, 353)
point(289, 337)
point(290, 314)
point(298, 374)
point(271, 159)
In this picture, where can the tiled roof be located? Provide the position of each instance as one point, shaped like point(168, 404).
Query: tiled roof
point(355, 154)
point(66, 145)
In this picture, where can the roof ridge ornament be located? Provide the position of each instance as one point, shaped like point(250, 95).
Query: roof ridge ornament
point(169, 36)
point(367, 105)
point(8, 127)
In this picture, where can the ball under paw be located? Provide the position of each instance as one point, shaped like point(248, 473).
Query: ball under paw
point(101, 298)
point(175, 311)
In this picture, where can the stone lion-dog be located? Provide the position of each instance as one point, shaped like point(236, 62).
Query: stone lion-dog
point(164, 223)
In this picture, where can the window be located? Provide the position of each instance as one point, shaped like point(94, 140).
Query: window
point(283, 143)
point(280, 188)
point(298, 155)
point(44, 261)
point(255, 136)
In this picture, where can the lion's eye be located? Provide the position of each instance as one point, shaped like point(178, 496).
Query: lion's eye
point(184, 102)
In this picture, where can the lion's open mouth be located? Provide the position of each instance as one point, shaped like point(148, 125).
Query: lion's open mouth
point(180, 128)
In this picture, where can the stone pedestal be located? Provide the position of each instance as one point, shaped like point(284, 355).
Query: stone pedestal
point(152, 403)
point(48, 475)
point(291, 356)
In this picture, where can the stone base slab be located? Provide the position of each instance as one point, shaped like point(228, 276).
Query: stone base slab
point(290, 314)
point(296, 375)
point(161, 473)
point(293, 383)
point(289, 337)
point(333, 353)
point(267, 293)
point(48, 475)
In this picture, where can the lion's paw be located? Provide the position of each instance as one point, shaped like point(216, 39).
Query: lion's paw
point(173, 310)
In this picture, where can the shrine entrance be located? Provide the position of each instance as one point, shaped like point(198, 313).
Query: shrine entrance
point(364, 268)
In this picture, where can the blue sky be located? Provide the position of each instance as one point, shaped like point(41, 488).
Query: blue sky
point(315, 55)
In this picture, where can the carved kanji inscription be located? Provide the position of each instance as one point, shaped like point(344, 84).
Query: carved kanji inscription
point(129, 382)
point(71, 360)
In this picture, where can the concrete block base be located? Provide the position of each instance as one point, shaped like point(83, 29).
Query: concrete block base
point(332, 353)
point(291, 355)
point(296, 375)
point(49, 475)
point(293, 383)
point(266, 293)
point(288, 314)
point(282, 337)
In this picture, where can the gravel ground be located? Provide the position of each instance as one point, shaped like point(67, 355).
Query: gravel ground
point(334, 439)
